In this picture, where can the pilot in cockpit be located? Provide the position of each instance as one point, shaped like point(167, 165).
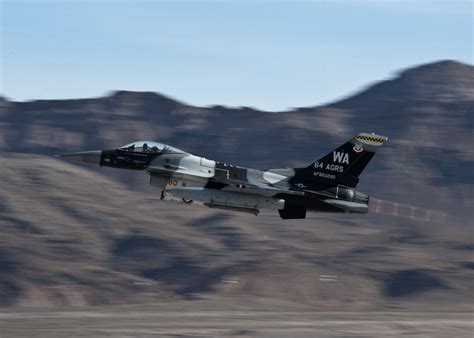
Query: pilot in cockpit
point(148, 147)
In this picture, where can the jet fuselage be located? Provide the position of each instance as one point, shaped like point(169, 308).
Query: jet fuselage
point(327, 185)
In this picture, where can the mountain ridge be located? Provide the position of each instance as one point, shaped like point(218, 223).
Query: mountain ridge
point(455, 80)
point(446, 70)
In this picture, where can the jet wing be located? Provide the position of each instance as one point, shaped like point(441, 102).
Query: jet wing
point(243, 186)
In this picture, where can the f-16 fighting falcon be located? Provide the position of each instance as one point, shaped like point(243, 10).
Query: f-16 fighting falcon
point(327, 185)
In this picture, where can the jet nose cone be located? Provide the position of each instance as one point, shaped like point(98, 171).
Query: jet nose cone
point(89, 157)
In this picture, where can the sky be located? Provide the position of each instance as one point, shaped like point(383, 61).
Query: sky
point(271, 55)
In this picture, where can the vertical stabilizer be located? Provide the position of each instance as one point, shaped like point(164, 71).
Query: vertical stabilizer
point(344, 164)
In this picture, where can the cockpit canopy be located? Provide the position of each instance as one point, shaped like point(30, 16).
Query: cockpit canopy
point(149, 147)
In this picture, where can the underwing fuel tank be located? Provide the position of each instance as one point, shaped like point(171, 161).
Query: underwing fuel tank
point(224, 198)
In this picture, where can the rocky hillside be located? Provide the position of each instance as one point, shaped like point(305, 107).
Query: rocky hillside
point(75, 235)
point(71, 237)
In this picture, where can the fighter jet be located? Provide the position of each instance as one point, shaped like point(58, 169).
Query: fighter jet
point(326, 185)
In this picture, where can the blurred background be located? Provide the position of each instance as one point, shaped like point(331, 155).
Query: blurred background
point(258, 84)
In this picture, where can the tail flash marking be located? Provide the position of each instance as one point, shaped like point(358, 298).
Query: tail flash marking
point(344, 164)
point(340, 157)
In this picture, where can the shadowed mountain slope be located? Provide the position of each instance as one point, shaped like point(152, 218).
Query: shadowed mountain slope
point(71, 237)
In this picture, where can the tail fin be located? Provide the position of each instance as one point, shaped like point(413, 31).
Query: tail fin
point(344, 164)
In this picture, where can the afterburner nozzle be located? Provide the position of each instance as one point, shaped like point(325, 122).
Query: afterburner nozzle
point(88, 157)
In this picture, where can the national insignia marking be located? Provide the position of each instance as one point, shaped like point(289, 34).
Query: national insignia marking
point(358, 147)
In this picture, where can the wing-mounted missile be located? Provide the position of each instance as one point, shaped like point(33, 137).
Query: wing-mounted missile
point(252, 211)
